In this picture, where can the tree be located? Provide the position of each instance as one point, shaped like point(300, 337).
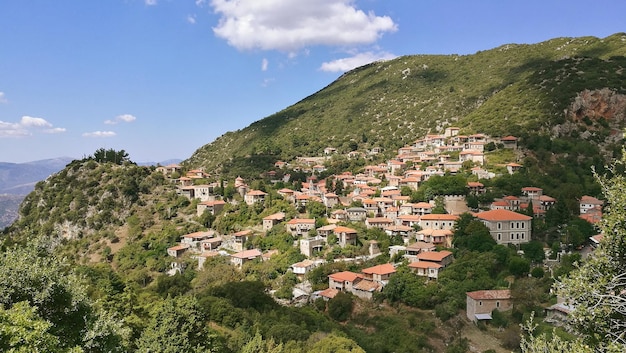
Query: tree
point(177, 325)
point(340, 307)
point(112, 156)
point(533, 251)
point(336, 344)
point(597, 288)
point(50, 293)
point(519, 266)
point(22, 330)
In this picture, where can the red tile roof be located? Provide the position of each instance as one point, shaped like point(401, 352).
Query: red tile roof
point(197, 235)
point(383, 269)
point(329, 293)
point(242, 233)
point(366, 286)
point(502, 215)
point(424, 264)
point(179, 247)
point(301, 221)
point(247, 254)
point(433, 255)
point(345, 276)
point(439, 217)
point(490, 294)
point(275, 217)
point(342, 229)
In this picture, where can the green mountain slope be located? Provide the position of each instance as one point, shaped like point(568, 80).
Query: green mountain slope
point(513, 89)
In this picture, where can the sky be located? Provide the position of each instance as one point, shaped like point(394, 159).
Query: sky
point(161, 78)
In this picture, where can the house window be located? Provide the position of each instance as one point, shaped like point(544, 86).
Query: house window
point(499, 225)
point(497, 304)
point(499, 236)
point(523, 225)
point(522, 236)
point(512, 225)
point(480, 303)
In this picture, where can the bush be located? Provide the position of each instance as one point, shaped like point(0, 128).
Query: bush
point(340, 307)
point(537, 272)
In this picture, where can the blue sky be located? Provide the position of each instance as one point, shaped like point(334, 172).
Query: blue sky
point(161, 78)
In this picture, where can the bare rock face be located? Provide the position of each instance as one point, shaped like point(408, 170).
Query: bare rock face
point(592, 111)
point(598, 104)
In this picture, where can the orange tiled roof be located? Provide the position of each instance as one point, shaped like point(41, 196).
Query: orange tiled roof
point(383, 269)
point(420, 245)
point(422, 205)
point(329, 293)
point(345, 276)
point(439, 217)
point(424, 264)
point(275, 217)
point(379, 220)
point(179, 247)
point(196, 235)
point(301, 221)
point(248, 254)
point(590, 200)
point(366, 286)
point(342, 229)
point(502, 215)
point(490, 294)
point(433, 255)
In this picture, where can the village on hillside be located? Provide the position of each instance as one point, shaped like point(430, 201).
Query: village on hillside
point(374, 199)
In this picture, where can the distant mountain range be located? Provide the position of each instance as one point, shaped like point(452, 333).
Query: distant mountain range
point(18, 179)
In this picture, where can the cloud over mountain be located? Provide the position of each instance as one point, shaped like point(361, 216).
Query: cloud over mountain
point(288, 26)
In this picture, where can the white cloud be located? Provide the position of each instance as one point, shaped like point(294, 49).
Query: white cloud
point(26, 126)
point(191, 19)
point(56, 130)
point(29, 121)
point(200, 3)
point(12, 130)
point(289, 25)
point(3, 98)
point(264, 64)
point(360, 59)
point(126, 118)
point(150, 2)
point(99, 134)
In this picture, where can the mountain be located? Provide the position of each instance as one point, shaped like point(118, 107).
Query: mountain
point(165, 162)
point(523, 90)
point(19, 179)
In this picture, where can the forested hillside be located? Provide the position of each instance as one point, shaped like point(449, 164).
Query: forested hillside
point(523, 90)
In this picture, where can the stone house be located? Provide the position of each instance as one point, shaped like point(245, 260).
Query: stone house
point(507, 227)
point(480, 304)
